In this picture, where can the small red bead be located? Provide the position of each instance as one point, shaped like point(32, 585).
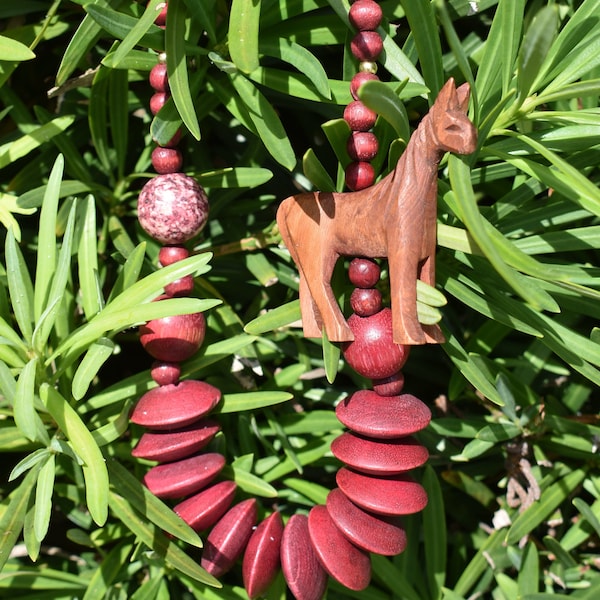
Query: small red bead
point(358, 80)
point(359, 175)
point(389, 386)
point(172, 254)
point(165, 373)
point(180, 287)
point(365, 15)
point(157, 101)
point(159, 79)
point(359, 117)
point(364, 272)
point(365, 302)
point(366, 45)
point(166, 160)
point(362, 146)
point(161, 19)
point(173, 142)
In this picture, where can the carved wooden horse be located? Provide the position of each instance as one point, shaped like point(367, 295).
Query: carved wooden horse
point(395, 218)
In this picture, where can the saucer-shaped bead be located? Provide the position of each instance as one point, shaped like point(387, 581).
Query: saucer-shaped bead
point(394, 495)
point(365, 15)
point(174, 338)
point(166, 160)
point(175, 406)
point(359, 175)
point(183, 477)
point(180, 287)
point(228, 538)
point(346, 563)
point(366, 45)
point(364, 272)
point(373, 352)
point(362, 146)
point(360, 78)
point(167, 446)
point(172, 208)
point(205, 508)
point(373, 533)
point(365, 302)
point(165, 373)
point(157, 101)
point(262, 556)
point(379, 457)
point(158, 78)
point(168, 255)
point(389, 386)
point(382, 417)
point(301, 568)
point(359, 117)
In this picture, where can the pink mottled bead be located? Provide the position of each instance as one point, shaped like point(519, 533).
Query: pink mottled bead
point(180, 287)
point(358, 80)
point(157, 101)
point(364, 272)
point(159, 79)
point(168, 255)
point(165, 373)
point(365, 15)
point(359, 117)
point(172, 208)
point(365, 302)
point(362, 146)
point(359, 175)
point(166, 160)
point(366, 45)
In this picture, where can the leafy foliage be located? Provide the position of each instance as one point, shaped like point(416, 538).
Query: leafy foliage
point(258, 89)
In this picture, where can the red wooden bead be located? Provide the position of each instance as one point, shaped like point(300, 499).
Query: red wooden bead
point(365, 15)
point(373, 353)
point(364, 272)
point(159, 79)
point(175, 406)
point(172, 208)
point(379, 457)
point(359, 175)
point(174, 141)
point(346, 563)
point(362, 146)
point(157, 101)
point(365, 302)
point(359, 117)
point(168, 255)
point(373, 533)
point(183, 477)
point(394, 495)
point(382, 417)
point(261, 558)
point(165, 373)
point(175, 445)
point(389, 386)
point(204, 509)
point(174, 338)
point(166, 160)
point(161, 19)
point(366, 45)
point(183, 286)
point(228, 538)
point(301, 568)
point(358, 79)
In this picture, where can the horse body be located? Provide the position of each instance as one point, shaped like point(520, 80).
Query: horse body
point(395, 218)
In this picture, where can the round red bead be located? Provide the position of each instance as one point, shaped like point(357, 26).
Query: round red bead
point(365, 15)
point(161, 18)
point(365, 302)
point(364, 272)
point(362, 146)
point(180, 287)
point(366, 45)
point(359, 175)
point(172, 208)
point(174, 141)
point(358, 80)
point(159, 79)
point(359, 117)
point(166, 160)
point(157, 101)
point(389, 386)
point(168, 255)
point(165, 373)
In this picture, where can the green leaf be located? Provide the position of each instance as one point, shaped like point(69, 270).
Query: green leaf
point(279, 317)
point(13, 50)
point(316, 172)
point(118, 105)
point(434, 533)
point(234, 177)
point(314, 492)
point(43, 498)
point(26, 418)
point(98, 119)
point(87, 263)
point(97, 354)
point(244, 20)
point(529, 573)
point(386, 102)
point(106, 573)
point(250, 401)
point(94, 467)
point(249, 483)
point(587, 513)
point(331, 357)
point(28, 462)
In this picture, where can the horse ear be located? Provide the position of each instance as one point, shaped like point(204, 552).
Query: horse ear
point(447, 96)
point(463, 93)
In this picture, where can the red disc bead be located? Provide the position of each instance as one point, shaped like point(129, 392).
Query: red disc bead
point(180, 287)
point(204, 509)
point(365, 15)
point(362, 146)
point(359, 117)
point(358, 80)
point(158, 78)
point(365, 302)
point(168, 255)
point(389, 386)
point(166, 160)
point(366, 45)
point(165, 373)
point(364, 272)
point(359, 175)
point(157, 101)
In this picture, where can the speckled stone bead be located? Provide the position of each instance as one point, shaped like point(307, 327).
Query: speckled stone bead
point(366, 45)
point(359, 117)
point(166, 160)
point(362, 146)
point(358, 80)
point(158, 78)
point(172, 208)
point(365, 15)
point(165, 373)
point(364, 272)
point(359, 175)
point(157, 101)
point(168, 255)
point(365, 302)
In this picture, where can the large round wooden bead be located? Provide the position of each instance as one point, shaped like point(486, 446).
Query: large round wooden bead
point(364, 272)
point(359, 175)
point(172, 208)
point(358, 79)
point(166, 160)
point(373, 353)
point(366, 45)
point(174, 338)
point(205, 508)
point(365, 15)
point(159, 79)
point(365, 302)
point(359, 117)
point(362, 145)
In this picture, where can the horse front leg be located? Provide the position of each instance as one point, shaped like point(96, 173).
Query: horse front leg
point(311, 319)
